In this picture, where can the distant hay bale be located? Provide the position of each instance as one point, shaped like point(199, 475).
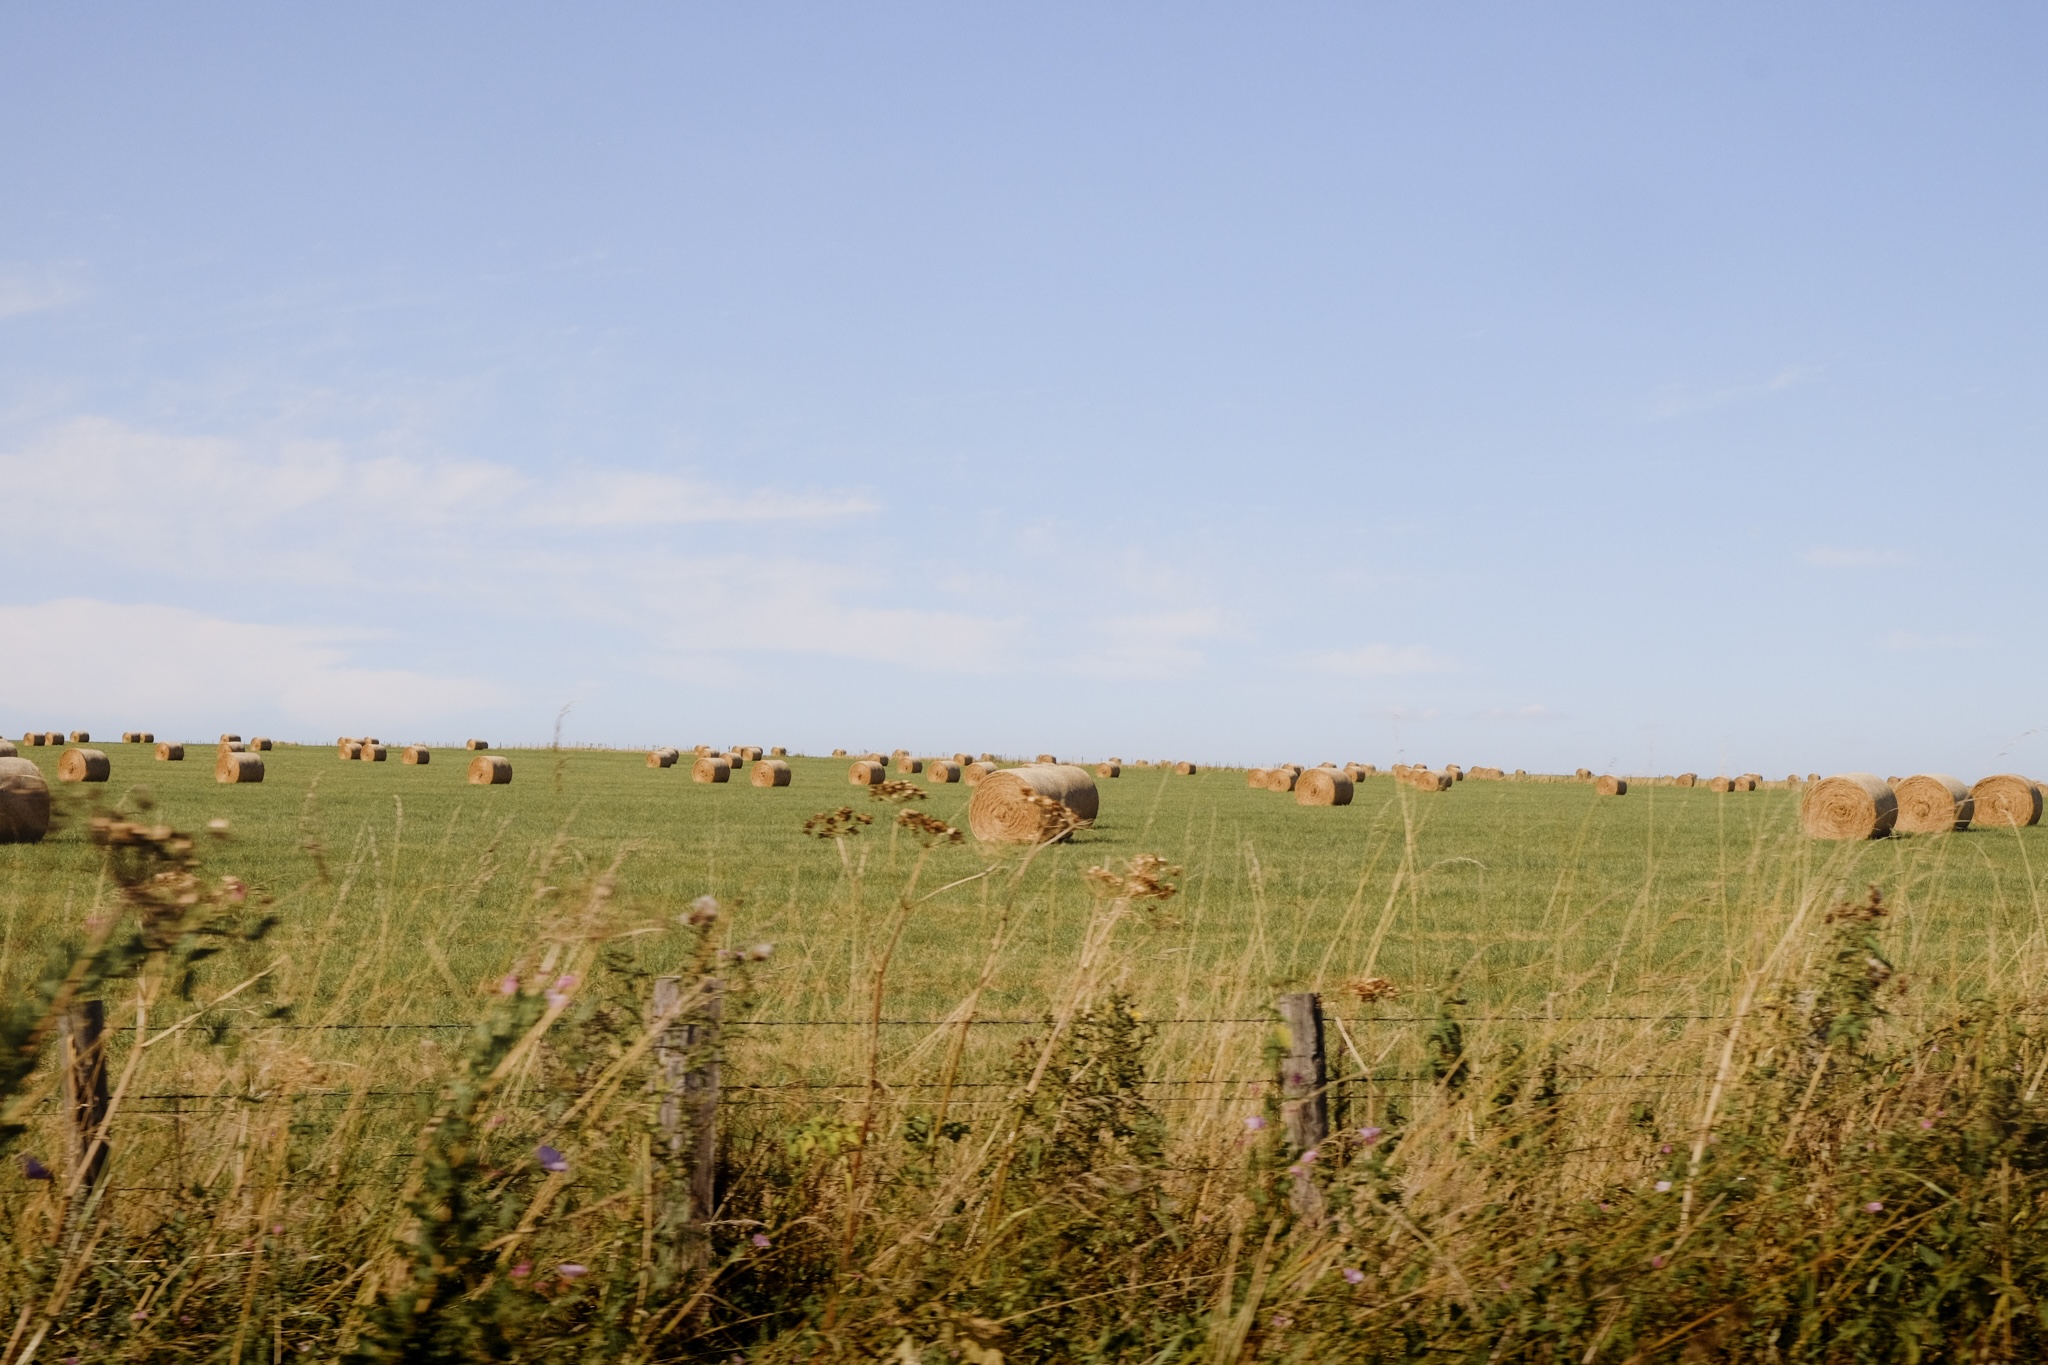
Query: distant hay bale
point(907, 764)
point(750, 752)
point(778, 752)
point(1746, 783)
point(942, 771)
point(1045, 758)
point(963, 759)
point(1849, 806)
point(1610, 785)
point(259, 746)
point(83, 765)
point(1721, 784)
point(662, 758)
point(2006, 800)
point(146, 737)
point(1424, 780)
point(988, 758)
point(1322, 787)
point(416, 756)
point(235, 748)
point(1685, 780)
point(476, 745)
point(1003, 809)
point(372, 753)
point(867, 772)
point(237, 766)
point(1582, 773)
point(80, 737)
point(1813, 777)
point(974, 772)
point(770, 772)
point(734, 759)
point(489, 770)
point(24, 802)
point(7, 749)
point(351, 751)
point(1185, 769)
point(1109, 770)
point(52, 738)
point(710, 768)
point(231, 739)
point(1282, 778)
point(128, 736)
point(1256, 778)
point(170, 753)
point(32, 737)
point(1457, 773)
point(1931, 803)
point(839, 753)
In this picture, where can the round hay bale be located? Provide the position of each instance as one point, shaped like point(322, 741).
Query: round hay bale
point(259, 746)
point(839, 753)
point(778, 752)
point(170, 753)
point(83, 765)
point(1849, 806)
point(476, 745)
point(52, 738)
point(963, 759)
point(231, 739)
point(1045, 758)
point(24, 802)
point(907, 764)
point(1255, 778)
point(662, 758)
point(1685, 780)
point(770, 772)
point(1610, 785)
point(2007, 799)
point(1930, 803)
point(416, 756)
point(371, 753)
point(974, 772)
point(1282, 778)
point(987, 758)
point(1109, 770)
point(228, 748)
point(1425, 780)
point(1002, 809)
point(1322, 787)
point(1721, 784)
point(80, 737)
point(127, 736)
point(1813, 777)
point(147, 737)
point(31, 737)
point(7, 749)
point(942, 771)
point(867, 772)
point(1582, 774)
point(1746, 783)
point(734, 759)
point(1186, 769)
point(237, 765)
point(710, 769)
point(750, 752)
point(490, 770)
point(351, 751)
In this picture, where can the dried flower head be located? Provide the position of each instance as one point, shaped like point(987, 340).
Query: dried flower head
point(836, 824)
point(1371, 988)
point(1143, 878)
point(703, 912)
point(932, 832)
point(900, 792)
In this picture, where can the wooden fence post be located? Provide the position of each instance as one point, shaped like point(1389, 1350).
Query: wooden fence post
point(1304, 1092)
point(687, 1058)
point(84, 1030)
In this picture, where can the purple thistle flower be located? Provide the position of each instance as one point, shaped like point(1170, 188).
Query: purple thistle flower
point(522, 1270)
point(760, 1239)
point(1656, 1263)
point(1308, 1157)
point(551, 1160)
point(1254, 1124)
point(1874, 1206)
point(569, 1270)
point(35, 1170)
point(1662, 1187)
point(1369, 1135)
point(509, 985)
point(1353, 1275)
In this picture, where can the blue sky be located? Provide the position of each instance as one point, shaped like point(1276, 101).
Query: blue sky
point(1647, 388)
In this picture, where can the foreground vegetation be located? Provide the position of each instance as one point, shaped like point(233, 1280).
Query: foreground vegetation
point(1644, 1078)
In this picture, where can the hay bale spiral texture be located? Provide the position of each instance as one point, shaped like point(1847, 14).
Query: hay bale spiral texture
point(24, 802)
point(1003, 811)
point(973, 773)
point(942, 771)
point(1322, 787)
point(1109, 770)
point(710, 769)
point(490, 770)
point(770, 772)
point(867, 773)
point(237, 765)
point(83, 765)
point(1930, 803)
point(1849, 806)
point(2006, 800)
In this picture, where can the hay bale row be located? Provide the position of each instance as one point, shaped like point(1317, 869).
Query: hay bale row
point(1866, 806)
point(24, 802)
point(1003, 810)
point(490, 770)
point(663, 758)
point(84, 765)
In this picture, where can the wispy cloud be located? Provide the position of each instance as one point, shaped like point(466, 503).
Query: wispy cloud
point(1907, 641)
point(35, 288)
point(1685, 400)
point(1383, 661)
point(1836, 557)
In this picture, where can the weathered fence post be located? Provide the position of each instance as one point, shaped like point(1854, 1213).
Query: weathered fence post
point(84, 1031)
point(687, 1058)
point(1304, 1092)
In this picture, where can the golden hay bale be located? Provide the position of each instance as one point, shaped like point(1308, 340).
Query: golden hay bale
point(1322, 787)
point(351, 751)
point(83, 765)
point(371, 753)
point(734, 759)
point(1109, 770)
point(1045, 758)
point(52, 738)
point(1185, 769)
point(770, 772)
point(974, 772)
point(1849, 806)
point(170, 753)
point(476, 745)
point(710, 768)
point(1582, 773)
point(1002, 809)
point(1721, 784)
point(750, 752)
point(1610, 785)
point(662, 758)
point(231, 739)
point(1256, 778)
point(259, 746)
point(942, 771)
point(1813, 777)
point(80, 737)
point(7, 749)
point(127, 736)
point(2007, 799)
point(416, 756)
point(24, 802)
point(987, 758)
point(1424, 780)
point(778, 752)
point(839, 753)
point(1686, 780)
point(907, 764)
point(1282, 778)
point(1930, 803)
point(228, 748)
point(146, 737)
point(1746, 783)
point(32, 737)
point(490, 770)
point(867, 772)
point(237, 766)
point(963, 759)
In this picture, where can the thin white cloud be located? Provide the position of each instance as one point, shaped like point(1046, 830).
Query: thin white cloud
point(1836, 557)
point(1383, 661)
point(153, 666)
point(1685, 400)
point(1912, 642)
point(33, 289)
